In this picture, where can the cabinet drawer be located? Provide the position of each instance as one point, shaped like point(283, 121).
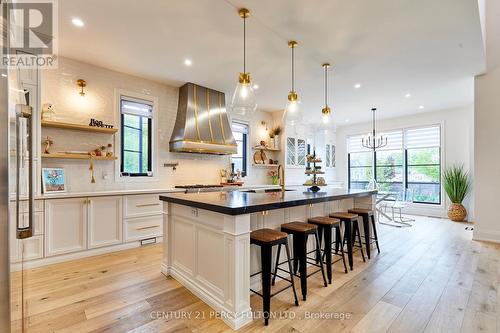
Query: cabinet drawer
point(143, 227)
point(142, 205)
point(33, 247)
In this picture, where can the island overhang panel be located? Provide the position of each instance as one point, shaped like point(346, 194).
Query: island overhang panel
point(207, 239)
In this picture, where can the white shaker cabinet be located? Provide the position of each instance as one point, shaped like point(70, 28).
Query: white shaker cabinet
point(65, 225)
point(105, 221)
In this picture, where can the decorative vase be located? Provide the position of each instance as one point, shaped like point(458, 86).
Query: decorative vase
point(276, 142)
point(457, 212)
point(274, 180)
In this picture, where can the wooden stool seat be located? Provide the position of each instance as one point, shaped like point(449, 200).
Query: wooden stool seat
point(368, 215)
point(323, 220)
point(266, 236)
point(299, 227)
point(344, 216)
point(361, 211)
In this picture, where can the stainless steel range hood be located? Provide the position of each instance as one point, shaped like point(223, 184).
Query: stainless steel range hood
point(202, 125)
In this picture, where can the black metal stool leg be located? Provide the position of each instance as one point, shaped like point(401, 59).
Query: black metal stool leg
point(358, 233)
point(328, 252)
point(277, 264)
point(265, 254)
point(301, 241)
point(374, 226)
point(340, 241)
point(366, 229)
point(348, 239)
point(291, 274)
point(296, 254)
point(320, 260)
point(321, 229)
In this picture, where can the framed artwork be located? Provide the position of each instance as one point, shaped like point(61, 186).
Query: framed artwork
point(53, 180)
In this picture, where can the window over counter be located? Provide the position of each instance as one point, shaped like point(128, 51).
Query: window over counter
point(240, 159)
point(136, 137)
point(410, 164)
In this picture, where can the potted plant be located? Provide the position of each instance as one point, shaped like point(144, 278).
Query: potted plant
point(275, 132)
point(457, 185)
point(274, 176)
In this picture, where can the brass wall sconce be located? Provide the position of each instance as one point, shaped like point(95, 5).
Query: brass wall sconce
point(81, 83)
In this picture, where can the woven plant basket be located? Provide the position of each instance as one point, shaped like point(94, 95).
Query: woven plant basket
point(457, 212)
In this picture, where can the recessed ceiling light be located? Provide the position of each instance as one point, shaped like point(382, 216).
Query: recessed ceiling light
point(188, 62)
point(255, 86)
point(347, 120)
point(4, 75)
point(421, 107)
point(77, 22)
point(357, 85)
point(408, 95)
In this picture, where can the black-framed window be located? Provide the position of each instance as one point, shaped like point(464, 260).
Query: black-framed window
point(240, 159)
point(410, 165)
point(136, 137)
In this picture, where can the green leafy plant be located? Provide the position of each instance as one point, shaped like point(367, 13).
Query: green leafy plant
point(457, 183)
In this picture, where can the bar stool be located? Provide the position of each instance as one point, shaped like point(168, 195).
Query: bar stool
point(351, 230)
point(326, 226)
point(368, 215)
point(300, 232)
point(266, 239)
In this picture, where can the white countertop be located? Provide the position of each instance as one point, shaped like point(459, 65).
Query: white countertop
point(132, 192)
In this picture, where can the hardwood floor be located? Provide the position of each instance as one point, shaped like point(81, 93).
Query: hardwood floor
point(428, 278)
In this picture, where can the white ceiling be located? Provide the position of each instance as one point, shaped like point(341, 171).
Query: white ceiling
point(431, 49)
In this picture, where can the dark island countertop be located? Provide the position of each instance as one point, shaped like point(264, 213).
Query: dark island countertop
point(242, 202)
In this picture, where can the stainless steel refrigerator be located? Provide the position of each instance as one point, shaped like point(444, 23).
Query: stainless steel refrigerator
point(16, 189)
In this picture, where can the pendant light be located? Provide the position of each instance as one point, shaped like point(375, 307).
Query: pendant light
point(243, 102)
point(292, 114)
point(326, 111)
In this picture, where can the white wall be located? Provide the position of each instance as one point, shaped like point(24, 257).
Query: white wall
point(59, 88)
point(458, 145)
point(487, 132)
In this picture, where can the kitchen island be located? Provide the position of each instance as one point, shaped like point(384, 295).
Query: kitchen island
point(207, 238)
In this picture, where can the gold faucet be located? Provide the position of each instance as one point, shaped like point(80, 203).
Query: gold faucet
point(281, 177)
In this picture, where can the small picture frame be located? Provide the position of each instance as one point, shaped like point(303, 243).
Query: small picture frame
point(53, 180)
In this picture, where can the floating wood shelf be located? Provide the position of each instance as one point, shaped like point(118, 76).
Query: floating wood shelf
point(78, 157)
point(267, 165)
point(78, 127)
point(265, 148)
point(314, 172)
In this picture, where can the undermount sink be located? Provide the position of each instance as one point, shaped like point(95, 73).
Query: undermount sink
point(269, 190)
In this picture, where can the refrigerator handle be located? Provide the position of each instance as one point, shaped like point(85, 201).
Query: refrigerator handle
point(24, 111)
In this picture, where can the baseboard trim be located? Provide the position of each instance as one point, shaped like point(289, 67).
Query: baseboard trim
point(77, 255)
point(486, 236)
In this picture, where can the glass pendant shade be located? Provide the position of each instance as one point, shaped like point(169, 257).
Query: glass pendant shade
point(243, 102)
point(292, 114)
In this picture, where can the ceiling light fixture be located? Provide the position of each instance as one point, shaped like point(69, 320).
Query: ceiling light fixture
point(292, 112)
point(408, 95)
point(243, 101)
point(357, 85)
point(421, 107)
point(373, 142)
point(77, 22)
point(326, 111)
point(188, 62)
point(255, 86)
point(82, 84)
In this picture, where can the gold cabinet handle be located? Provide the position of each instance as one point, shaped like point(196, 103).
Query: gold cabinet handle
point(148, 227)
point(147, 205)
